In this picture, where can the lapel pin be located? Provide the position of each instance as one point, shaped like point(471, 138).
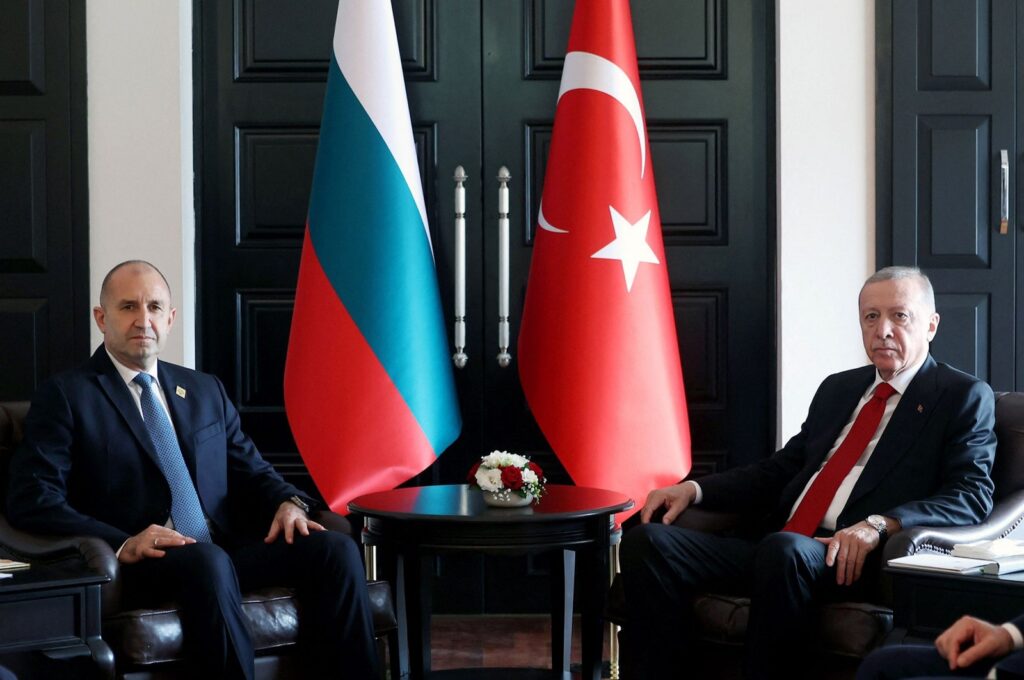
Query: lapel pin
point(180, 391)
point(920, 408)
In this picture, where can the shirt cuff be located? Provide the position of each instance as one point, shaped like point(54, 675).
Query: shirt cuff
point(117, 555)
point(700, 494)
point(1014, 631)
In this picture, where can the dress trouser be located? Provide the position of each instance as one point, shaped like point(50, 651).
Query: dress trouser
point(664, 566)
point(336, 627)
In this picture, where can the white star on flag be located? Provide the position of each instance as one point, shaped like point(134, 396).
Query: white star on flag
point(630, 245)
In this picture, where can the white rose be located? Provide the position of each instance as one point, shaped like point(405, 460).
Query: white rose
point(529, 476)
point(488, 480)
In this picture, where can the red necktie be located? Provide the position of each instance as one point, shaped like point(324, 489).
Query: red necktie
point(815, 502)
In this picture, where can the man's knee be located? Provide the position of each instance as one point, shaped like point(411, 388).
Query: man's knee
point(787, 553)
point(643, 543)
point(204, 566)
point(333, 551)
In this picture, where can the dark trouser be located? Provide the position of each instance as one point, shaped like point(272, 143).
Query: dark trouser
point(663, 567)
point(336, 629)
point(902, 662)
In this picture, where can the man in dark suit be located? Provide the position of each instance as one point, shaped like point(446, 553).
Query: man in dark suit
point(903, 442)
point(970, 648)
point(188, 503)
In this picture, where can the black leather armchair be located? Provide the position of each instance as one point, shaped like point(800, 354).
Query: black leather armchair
point(847, 631)
point(147, 642)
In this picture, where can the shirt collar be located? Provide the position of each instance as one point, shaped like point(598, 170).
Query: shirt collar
point(128, 374)
point(901, 381)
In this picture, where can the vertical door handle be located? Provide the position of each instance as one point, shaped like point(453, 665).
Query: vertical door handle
point(504, 358)
point(460, 358)
point(1004, 192)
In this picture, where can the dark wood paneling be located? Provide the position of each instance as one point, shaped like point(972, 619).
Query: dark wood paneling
point(264, 321)
point(690, 166)
point(965, 332)
point(700, 327)
point(23, 195)
point(274, 42)
point(44, 214)
point(23, 339)
point(674, 38)
point(22, 48)
point(275, 172)
point(954, 169)
point(955, 45)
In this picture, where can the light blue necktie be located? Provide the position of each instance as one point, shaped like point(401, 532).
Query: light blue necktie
point(186, 512)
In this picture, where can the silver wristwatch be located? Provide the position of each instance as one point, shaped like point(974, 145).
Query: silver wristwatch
point(878, 522)
point(301, 503)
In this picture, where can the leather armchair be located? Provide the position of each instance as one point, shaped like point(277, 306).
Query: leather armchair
point(847, 631)
point(147, 642)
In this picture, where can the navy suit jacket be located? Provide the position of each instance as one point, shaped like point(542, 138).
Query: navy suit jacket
point(931, 466)
point(87, 465)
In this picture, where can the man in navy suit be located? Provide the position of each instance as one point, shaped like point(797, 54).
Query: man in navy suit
point(970, 648)
point(903, 442)
point(93, 464)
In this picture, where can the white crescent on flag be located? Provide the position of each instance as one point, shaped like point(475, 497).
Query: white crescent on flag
point(588, 71)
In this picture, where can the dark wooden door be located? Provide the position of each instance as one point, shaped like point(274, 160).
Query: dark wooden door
point(482, 80)
point(946, 115)
point(44, 231)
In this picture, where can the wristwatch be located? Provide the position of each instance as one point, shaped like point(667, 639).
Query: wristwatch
point(878, 522)
point(301, 503)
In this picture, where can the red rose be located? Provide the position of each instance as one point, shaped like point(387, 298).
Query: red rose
point(536, 470)
point(512, 478)
point(471, 477)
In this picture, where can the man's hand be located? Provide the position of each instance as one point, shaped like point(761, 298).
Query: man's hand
point(847, 548)
point(289, 519)
point(674, 499)
point(978, 640)
point(152, 542)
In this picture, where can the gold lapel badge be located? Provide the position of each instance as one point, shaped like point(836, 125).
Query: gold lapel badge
point(920, 408)
point(180, 391)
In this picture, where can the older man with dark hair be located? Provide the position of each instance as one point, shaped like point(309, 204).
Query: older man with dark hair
point(903, 442)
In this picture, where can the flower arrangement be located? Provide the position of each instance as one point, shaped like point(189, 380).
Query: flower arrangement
point(506, 474)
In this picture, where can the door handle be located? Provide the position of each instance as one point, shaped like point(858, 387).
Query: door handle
point(1004, 192)
point(504, 358)
point(460, 358)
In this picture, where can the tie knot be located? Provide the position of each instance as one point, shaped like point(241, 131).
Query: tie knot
point(884, 391)
point(144, 380)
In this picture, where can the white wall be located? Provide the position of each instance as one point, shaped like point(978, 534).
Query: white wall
point(140, 171)
point(826, 192)
point(139, 68)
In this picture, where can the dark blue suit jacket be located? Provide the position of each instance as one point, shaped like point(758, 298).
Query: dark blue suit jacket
point(931, 466)
point(87, 465)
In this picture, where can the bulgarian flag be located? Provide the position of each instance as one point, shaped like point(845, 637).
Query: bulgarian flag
point(368, 384)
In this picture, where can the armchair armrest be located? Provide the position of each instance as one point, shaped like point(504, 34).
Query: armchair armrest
point(1005, 517)
point(333, 521)
point(98, 556)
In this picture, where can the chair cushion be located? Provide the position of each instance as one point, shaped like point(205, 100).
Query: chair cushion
point(141, 637)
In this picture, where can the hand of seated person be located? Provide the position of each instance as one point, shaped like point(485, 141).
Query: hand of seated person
point(289, 519)
point(672, 499)
point(151, 542)
point(847, 548)
point(970, 640)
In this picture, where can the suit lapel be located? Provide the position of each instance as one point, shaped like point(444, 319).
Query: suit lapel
point(113, 386)
point(170, 381)
point(910, 416)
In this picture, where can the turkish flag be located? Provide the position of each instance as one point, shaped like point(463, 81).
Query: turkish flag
point(598, 355)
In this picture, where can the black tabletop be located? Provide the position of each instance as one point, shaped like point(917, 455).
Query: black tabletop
point(70, 572)
point(460, 503)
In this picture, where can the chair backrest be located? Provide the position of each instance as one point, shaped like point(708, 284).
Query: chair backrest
point(12, 420)
point(1008, 472)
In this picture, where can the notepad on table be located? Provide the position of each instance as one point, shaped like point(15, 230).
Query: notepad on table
point(12, 565)
point(938, 562)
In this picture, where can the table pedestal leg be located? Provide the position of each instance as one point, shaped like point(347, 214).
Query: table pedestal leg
point(562, 595)
point(417, 607)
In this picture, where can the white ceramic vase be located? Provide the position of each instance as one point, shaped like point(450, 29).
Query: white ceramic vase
point(497, 499)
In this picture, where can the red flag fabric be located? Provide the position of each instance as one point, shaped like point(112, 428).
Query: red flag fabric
point(598, 354)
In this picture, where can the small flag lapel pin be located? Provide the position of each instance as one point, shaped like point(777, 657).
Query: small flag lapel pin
point(180, 391)
point(920, 407)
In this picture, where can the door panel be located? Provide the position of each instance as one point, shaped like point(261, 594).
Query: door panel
point(952, 112)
